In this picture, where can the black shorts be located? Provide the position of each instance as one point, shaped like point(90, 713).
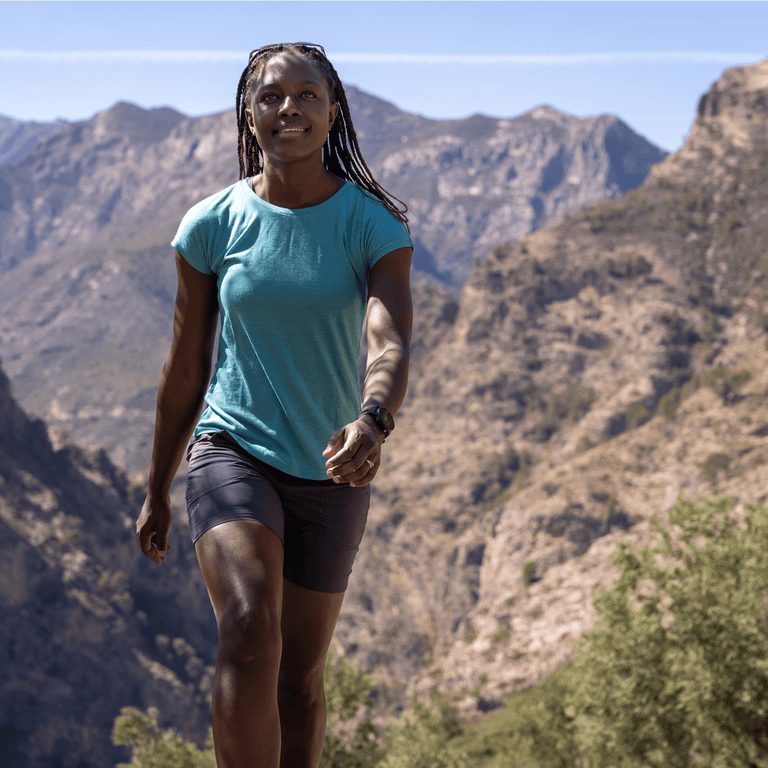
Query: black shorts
point(320, 522)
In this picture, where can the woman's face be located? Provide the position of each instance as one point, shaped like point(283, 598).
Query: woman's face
point(290, 110)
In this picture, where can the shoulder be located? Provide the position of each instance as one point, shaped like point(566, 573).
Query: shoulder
point(372, 205)
point(377, 230)
point(372, 214)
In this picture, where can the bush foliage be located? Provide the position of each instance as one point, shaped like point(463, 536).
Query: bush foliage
point(675, 672)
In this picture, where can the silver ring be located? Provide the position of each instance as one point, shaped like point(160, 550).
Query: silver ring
point(370, 463)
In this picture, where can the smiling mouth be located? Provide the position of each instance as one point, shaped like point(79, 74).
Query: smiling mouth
point(291, 130)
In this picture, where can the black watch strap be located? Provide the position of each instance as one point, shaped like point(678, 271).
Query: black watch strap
point(381, 416)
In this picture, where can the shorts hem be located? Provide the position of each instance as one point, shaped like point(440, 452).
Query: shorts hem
point(324, 588)
point(222, 517)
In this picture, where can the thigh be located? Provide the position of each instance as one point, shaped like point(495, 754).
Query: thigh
point(242, 564)
point(226, 483)
point(308, 622)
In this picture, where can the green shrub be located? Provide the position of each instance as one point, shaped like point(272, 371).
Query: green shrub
point(669, 403)
point(713, 465)
point(675, 671)
point(637, 415)
point(534, 729)
point(499, 474)
point(420, 738)
point(569, 405)
point(351, 738)
point(726, 383)
point(529, 572)
point(153, 747)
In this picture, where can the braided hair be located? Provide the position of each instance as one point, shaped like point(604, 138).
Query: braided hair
point(341, 152)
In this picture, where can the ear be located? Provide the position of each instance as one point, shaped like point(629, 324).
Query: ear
point(249, 120)
point(332, 115)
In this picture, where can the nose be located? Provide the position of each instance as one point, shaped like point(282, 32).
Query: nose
point(288, 107)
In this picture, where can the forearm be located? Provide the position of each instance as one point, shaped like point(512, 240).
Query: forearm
point(179, 402)
point(386, 378)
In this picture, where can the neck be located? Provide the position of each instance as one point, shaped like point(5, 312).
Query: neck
point(295, 185)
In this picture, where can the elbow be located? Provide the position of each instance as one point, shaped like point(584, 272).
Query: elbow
point(186, 377)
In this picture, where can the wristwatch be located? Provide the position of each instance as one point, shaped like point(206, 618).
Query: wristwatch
point(381, 416)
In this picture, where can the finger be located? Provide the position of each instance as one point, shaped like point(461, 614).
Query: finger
point(367, 477)
point(346, 463)
point(357, 446)
point(145, 542)
point(356, 469)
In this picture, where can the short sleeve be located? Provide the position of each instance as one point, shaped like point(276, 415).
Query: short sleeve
point(191, 241)
point(383, 233)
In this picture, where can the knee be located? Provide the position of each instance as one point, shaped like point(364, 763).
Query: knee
point(250, 635)
point(300, 687)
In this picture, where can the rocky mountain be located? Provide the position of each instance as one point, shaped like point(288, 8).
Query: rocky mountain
point(86, 217)
point(85, 629)
point(18, 137)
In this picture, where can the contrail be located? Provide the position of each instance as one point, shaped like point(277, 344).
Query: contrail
point(527, 60)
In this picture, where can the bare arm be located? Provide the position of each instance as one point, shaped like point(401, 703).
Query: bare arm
point(389, 319)
point(179, 399)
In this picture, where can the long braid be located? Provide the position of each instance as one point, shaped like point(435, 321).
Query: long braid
point(341, 152)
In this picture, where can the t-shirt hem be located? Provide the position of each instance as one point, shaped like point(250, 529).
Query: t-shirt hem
point(203, 271)
point(273, 461)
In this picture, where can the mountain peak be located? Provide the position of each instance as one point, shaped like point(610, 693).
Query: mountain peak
point(732, 116)
point(737, 105)
point(139, 125)
point(545, 112)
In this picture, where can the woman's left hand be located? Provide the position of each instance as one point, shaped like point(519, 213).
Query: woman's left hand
point(354, 453)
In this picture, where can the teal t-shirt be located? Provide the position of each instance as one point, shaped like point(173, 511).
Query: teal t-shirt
point(292, 290)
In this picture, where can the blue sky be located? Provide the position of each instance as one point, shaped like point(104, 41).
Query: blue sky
point(647, 62)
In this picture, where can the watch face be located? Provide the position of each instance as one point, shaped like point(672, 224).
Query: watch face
point(386, 419)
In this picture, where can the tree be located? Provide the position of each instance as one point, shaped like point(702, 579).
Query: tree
point(675, 671)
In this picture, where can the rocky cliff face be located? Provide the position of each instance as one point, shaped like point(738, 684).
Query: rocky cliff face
point(82, 620)
point(484, 181)
point(86, 298)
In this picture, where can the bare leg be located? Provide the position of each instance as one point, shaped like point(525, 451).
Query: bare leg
point(242, 564)
point(308, 621)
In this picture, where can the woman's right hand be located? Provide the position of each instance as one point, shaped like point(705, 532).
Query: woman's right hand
point(152, 528)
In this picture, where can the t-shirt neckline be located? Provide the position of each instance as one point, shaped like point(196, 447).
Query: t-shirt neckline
point(248, 191)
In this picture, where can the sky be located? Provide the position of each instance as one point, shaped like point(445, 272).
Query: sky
point(646, 62)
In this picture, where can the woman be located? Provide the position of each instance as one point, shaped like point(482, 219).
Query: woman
point(294, 257)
